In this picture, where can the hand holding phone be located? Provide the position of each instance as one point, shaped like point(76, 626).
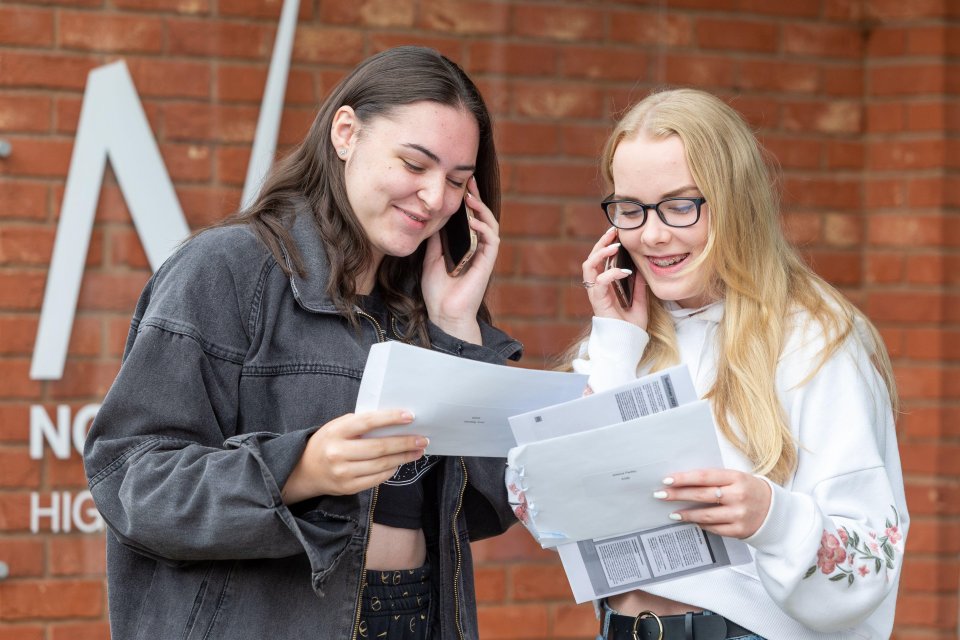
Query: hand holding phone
point(623, 288)
point(458, 240)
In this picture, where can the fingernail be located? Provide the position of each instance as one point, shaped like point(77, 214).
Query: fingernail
point(614, 244)
point(406, 415)
point(676, 516)
point(668, 481)
point(659, 495)
point(626, 271)
point(422, 442)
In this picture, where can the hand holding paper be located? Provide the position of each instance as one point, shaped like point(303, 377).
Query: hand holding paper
point(601, 482)
point(586, 470)
point(462, 406)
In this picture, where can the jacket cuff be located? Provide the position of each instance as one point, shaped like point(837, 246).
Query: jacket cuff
point(497, 346)
point(278, 454)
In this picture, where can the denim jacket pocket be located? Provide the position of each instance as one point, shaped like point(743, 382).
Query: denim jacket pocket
point(169, 614)
point(208, 603)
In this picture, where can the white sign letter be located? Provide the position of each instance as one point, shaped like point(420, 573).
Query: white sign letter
point(112, 125)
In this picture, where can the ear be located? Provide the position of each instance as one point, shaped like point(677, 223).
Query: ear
point(343, 131)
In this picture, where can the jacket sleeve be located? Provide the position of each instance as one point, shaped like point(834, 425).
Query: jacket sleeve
point(485, 505)
point(831, 554)
point(166, 469)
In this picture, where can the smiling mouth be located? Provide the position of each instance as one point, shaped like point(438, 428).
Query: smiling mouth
point(411, 216)
point(669, 261)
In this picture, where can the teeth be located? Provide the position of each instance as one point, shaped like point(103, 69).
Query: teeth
point(410, 215)
point(667, 262)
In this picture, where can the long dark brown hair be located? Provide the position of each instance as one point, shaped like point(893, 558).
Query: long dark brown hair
point(312, 171)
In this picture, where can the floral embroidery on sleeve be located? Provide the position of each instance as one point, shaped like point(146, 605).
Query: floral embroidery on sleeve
point(845, 556)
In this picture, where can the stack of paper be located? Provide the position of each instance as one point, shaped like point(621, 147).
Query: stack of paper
point(585, 472)
point(583, 468)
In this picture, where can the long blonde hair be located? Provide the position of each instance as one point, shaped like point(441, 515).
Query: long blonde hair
point(755, 270)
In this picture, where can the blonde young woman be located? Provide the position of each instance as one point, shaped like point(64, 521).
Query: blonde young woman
point(799, 380)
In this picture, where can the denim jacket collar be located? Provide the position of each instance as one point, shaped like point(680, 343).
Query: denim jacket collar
point(310, 289)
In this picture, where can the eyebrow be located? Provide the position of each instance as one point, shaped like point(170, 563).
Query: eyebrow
point(436, 158)
point(670, 194)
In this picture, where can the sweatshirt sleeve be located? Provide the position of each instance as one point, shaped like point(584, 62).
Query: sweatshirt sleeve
point(611, 354)
point(829, 555)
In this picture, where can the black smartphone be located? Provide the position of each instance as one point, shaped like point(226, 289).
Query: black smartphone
point(623, 288)
point(458, 240)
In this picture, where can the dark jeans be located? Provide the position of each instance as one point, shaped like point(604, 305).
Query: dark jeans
point(396, 605)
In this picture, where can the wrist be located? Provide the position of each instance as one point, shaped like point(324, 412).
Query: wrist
point(466, 330)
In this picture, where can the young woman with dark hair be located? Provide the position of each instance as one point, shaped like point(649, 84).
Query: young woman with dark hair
point(241, 498)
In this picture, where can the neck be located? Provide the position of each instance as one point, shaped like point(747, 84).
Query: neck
point(367, 279)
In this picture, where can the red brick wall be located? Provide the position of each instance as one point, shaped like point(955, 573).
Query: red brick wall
point(857, 98)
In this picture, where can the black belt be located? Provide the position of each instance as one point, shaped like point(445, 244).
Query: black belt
point(690, 626)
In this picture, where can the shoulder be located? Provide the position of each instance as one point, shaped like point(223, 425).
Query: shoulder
point(830, 350)
point(232, 246)
point(212, 276)
point(214, 256)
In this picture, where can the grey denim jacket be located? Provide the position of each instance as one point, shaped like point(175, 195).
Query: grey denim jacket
point(229, 367)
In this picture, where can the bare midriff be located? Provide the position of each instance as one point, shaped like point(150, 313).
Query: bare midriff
point(633, 602)
point(395, 548)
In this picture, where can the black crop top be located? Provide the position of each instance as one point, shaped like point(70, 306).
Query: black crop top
point(400, 499)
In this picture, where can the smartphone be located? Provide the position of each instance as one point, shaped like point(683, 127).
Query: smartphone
point(458, 240)
point(623, 288)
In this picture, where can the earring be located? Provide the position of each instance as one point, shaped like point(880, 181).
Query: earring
point(343, 152)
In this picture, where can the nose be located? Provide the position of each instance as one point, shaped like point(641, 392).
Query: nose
point(654, 231)
point(431, 193)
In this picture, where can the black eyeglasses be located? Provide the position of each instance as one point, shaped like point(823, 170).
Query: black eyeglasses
point(673, 212)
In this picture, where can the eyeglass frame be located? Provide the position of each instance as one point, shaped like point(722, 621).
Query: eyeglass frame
point(698, 201)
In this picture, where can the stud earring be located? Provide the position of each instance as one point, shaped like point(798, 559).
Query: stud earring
point(343, 152)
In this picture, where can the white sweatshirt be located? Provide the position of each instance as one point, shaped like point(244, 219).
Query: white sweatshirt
point(827, 558)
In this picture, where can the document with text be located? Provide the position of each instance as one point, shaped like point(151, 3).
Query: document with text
point(584, 472)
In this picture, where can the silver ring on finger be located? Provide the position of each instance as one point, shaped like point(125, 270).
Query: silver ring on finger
point(587, 284)
point(719, 494)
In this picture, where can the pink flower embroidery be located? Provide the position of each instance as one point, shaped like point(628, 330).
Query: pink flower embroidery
point(840, 555)
point(831, 553)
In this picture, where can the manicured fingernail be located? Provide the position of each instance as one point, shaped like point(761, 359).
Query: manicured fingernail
point(668, 481)
point(613, 244)
point(659, 495)
point(676, 516)
point(406, 415)
point(422, 442)
point(626, 271)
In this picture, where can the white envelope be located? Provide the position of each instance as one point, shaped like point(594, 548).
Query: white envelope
point(600, 483)
point(461, 405)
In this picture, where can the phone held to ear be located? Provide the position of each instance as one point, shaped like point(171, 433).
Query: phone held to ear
point(623, 288)
point(458, 240)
